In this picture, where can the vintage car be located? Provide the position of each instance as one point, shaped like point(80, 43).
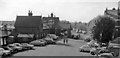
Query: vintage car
point(4, 52)
point(27, 46)
point(39, 42)
point(15, 48)
point(85, 48)
point(49, 40)
point(53, 36)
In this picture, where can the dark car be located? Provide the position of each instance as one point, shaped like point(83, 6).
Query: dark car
point(75, 36)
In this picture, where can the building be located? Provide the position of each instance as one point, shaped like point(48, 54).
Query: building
point(64, 25)
point(9, 24)
point(115, 14)
point(50, 23)
point(28, 25)
point(5, 29)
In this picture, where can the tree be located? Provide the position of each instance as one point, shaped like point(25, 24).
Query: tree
point(103, 29)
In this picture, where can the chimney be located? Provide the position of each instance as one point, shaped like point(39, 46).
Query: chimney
point(113, 9)
point(51, 14)
point(30, 13)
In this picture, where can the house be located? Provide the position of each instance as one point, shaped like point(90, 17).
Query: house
point(115, 14)
point(28, 25)
point(50, 23)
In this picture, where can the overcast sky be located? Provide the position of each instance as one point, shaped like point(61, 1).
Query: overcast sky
point(71, 10)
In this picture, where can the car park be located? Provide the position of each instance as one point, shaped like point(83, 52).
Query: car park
point(40, 42)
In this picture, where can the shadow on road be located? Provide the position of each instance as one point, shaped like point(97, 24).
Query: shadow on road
point(106, 56)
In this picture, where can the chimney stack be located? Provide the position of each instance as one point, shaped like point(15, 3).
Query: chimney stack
point(30, 13)
point(51, 14)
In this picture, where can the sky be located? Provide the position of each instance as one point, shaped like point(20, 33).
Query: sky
point(70, 10)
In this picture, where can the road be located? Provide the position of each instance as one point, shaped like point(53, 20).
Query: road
point(70, 49)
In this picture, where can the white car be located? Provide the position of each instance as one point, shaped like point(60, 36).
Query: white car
point(85, 48)
point(27, 46)
point(113, 50)
point(4, 52)
point(15, 48)
point(99, 50)
point(93, 43)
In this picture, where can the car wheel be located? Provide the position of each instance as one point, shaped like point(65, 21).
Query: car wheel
point(81, 50)
point(92, 53)
point(16, 50)
point(115, 55)
point(30, 47)
point(4, 54)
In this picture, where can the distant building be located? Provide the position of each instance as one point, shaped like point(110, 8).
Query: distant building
point(9, 24)
point(115, 14)
point(50, 23)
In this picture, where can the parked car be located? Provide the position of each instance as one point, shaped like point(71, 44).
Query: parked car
point(4, 52)
point(99, 50)
point(49, 40)
point(1, 51)
point(8, 48)
point(19, 45)
point(40, 42)
point(85, 48)
point(87, 39)
point(114, 50)
point(15, 48)
point(27, 46)
point(93, 43)
point(53, 36)
point(75, 36)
